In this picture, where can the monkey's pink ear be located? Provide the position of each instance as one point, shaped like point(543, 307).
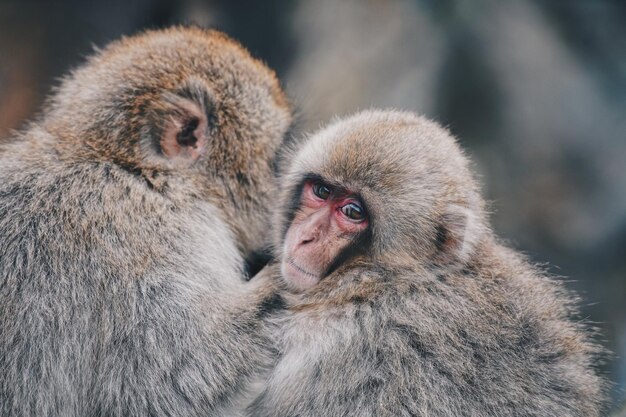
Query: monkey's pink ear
point(458, 234)
point(184, 136)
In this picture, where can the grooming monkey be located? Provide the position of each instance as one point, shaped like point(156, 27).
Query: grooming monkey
point(401, 301)
point(126, 212)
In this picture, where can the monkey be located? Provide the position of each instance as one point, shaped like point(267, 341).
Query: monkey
point(127, 210)
point(400, 300)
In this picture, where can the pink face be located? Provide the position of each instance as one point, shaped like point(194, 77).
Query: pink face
point(327, 221)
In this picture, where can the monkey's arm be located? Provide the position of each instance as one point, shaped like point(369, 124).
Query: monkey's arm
point(308, 380)
point(321, 347)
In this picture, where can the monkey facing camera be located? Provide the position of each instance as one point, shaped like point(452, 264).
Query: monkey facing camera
point(400, 299)
point(126, 212)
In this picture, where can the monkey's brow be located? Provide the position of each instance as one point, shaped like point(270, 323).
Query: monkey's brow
point(337, 188)
point(341, 192)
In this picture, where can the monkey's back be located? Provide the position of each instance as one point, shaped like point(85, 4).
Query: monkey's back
point(105, 314)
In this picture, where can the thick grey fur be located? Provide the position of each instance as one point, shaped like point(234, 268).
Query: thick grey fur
point(433, 317)
point(121, 283)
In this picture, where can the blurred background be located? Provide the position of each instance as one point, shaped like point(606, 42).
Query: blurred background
point(535, 91)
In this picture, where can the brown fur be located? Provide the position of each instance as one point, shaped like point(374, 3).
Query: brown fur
point(132, 75)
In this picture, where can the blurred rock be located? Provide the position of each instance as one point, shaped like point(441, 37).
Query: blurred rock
point(356, 54)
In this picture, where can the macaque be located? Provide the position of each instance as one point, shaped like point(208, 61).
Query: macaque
point(400, 300)
point(127, 210)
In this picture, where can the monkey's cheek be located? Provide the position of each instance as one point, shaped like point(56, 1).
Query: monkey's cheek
point(297, 279)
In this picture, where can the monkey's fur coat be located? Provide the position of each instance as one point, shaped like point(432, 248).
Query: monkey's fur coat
point(121, 283)
point(431, 316)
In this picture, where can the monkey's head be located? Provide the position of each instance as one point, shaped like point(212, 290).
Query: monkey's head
point(386, 187)
point(185, 109)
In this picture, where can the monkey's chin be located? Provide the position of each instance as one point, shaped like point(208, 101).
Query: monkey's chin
point(296, 277)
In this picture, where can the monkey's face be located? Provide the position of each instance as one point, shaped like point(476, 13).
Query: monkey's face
point(326, 224)
point(417, 201)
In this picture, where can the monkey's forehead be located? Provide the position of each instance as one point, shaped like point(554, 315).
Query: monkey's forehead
point(382, 147)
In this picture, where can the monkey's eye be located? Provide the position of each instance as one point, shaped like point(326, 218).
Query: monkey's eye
point(321, 191)
point(354, 212)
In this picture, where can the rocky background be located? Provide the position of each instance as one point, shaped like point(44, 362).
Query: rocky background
point(535, 90)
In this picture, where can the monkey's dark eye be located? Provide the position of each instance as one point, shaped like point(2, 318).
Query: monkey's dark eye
point(321, 191)
point(354, 212)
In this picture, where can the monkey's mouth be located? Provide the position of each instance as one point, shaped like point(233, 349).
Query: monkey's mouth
point(298, 278)
point(302, 270)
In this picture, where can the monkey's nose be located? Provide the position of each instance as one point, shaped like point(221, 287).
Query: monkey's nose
point(311, 233)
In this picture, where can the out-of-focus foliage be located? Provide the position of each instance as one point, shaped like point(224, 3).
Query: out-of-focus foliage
point(535, 90)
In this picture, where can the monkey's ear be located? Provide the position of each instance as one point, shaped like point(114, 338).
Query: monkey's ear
point(184, 133)
point(458, 233)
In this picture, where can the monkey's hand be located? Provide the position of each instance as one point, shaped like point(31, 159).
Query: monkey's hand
point(267, 289)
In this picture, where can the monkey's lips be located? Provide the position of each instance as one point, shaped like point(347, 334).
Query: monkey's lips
point(298, 277)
